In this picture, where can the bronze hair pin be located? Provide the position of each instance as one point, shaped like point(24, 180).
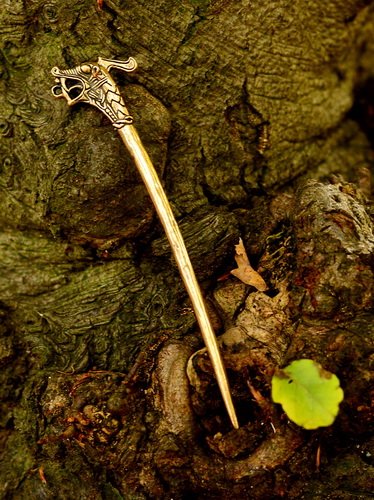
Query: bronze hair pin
point(91, 83)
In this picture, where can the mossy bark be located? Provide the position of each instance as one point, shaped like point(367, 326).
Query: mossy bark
point(248, 111)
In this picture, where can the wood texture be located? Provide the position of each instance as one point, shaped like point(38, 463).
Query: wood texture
point(239, 103)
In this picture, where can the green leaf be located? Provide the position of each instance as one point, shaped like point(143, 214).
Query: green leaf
point(309, 395)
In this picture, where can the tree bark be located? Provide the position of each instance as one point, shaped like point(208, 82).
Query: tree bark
point(257, 115)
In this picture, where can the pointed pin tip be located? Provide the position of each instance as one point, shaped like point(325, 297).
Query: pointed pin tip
point(234, 421)
point(221, 376)
point(230, 406)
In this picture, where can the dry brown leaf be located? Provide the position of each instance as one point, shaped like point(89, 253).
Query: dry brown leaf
point(245, 271)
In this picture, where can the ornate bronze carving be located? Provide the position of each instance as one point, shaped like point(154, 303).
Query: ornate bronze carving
point(91, 83)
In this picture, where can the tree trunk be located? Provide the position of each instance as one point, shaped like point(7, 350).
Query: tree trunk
point(257, 116)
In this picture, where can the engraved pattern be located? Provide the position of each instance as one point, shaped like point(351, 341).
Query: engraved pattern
point(91, 83)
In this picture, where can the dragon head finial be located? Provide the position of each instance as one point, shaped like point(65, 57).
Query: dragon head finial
point(91, 83)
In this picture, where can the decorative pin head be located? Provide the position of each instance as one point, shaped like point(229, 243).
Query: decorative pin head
point(91, 83)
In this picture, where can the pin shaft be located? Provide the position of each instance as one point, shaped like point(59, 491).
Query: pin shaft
point(150, 178)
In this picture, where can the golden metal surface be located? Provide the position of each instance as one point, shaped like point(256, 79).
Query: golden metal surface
point(92, 83)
